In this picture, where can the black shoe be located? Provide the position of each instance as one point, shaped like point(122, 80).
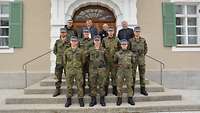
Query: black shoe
point(81, 102)
point(143, 91)
point(69, 102)
point(131, 101)
point(102, 101)
point(93, 101)
point(114, 91)
point(57, 92)
point(106, 90)
point(119, 101)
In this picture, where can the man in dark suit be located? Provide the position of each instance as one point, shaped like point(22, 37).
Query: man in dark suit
point(92, 30)
point(104, 32)
point(125, 32)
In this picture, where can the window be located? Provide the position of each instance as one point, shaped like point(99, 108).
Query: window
point(187, 24)
point(4, 25)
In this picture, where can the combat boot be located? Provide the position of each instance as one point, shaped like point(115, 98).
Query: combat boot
point(131, 101)
point(69, 102)
point(93, 101)
point(114, 91)
point(102, 101)
point(81, 102)
point(119, 101)
point(143, 91)
point(57, 92)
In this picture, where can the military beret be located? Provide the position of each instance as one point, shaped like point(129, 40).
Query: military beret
point(85, 30)
point(137, 29)
point(97, 38)
point(63, 30)
point(70, 20)
point(74, 38)
point(123, 41)
point(110, 29)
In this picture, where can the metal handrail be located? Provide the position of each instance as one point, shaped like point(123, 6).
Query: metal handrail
point(26, 63)
point(162, 66)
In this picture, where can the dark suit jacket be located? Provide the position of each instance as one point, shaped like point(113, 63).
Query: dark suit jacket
point(125, 34)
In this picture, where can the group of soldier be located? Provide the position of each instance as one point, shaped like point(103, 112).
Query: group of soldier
point(99, 58)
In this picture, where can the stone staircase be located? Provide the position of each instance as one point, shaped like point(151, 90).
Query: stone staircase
point(38, 99)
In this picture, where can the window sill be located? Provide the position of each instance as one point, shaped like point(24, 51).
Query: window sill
point(188, 48)
point(6, 50)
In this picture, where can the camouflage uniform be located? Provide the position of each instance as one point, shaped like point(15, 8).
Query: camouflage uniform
point(73, 61)
point(85, 44)
point(97, 70)
point(111, 45)
point(70, 32)
point(139, 49)
point(58, 50)
point(124, 60)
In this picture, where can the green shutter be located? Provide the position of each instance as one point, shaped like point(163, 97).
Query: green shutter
point(169, 24)
point(16, 24)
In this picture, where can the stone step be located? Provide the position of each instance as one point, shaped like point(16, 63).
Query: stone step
point(140, 107)
point(48, 99)
point(37, 89)
point(51, 82)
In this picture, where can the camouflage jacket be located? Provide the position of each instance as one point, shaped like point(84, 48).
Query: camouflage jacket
point(73, 58)
point(138, 47)
point(111, 45)
point(124, 59)
point(96, 57)
point(85, 44)
point(58, 50)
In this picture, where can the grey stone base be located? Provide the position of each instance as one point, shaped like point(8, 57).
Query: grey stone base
point(176, 79)
point(171, 79)
point(17, 80)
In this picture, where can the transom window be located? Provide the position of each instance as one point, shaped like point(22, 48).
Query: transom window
point(94, 12)
point(4, 25)
point(187, 24)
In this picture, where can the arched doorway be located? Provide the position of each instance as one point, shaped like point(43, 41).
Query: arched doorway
point(98, 14)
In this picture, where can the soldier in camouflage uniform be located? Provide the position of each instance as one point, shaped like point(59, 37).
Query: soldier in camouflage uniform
point(70, 30)
point(73, 59)
point(138, 46)
point(59, 48)
point(97, 70)
point(124, 60)
point(85, 44)
point(112, 45)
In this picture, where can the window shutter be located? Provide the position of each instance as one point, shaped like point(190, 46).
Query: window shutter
point(169, 24)
point(16, 24)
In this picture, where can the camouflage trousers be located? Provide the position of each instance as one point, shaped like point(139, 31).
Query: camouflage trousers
point(71, 75)
point(140, 63)
point(85, 72)
point(58, 73)
point(124, 76)
point(111, 72)
point(97, 78)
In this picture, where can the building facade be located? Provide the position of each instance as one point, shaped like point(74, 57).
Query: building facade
point(29, 28)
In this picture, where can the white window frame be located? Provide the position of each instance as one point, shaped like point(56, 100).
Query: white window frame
point(5, 49)
point(189, 47)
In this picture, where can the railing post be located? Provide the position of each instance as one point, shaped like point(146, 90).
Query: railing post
point(25, 71)
point(161, 74)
